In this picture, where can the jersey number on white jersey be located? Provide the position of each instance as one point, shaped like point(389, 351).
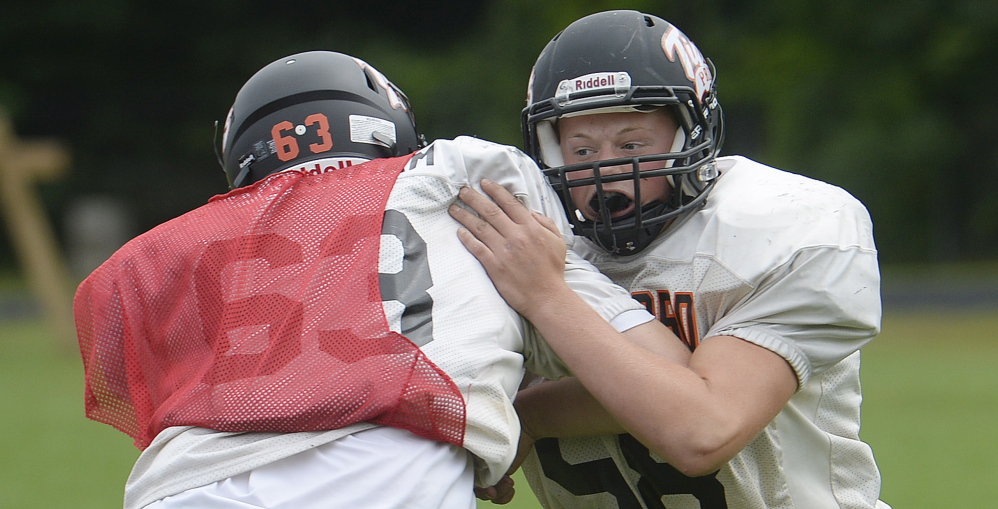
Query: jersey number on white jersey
point(657, 480)
point(678, 313)
point(409, 286)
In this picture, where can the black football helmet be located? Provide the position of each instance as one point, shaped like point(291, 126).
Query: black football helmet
point(318, 107)
point(625, 61)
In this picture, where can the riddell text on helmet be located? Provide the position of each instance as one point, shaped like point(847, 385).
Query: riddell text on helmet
point(595, 81)
point(617, 81)
point(326, 165)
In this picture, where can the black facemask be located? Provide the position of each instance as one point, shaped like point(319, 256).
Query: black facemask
point(620, 237)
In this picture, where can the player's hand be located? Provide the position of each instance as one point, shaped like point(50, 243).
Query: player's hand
point(523, 252)
point(501, 493)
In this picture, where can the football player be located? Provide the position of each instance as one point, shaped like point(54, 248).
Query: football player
point(318, 337)
point(770, 278)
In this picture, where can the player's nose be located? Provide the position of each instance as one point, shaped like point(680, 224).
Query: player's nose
point(616, 169)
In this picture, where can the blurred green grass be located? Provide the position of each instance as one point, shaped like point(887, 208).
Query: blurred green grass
point(931, 403)
point(930, 407)
point(52, 456)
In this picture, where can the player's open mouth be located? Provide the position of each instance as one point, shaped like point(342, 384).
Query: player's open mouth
point(617, 204)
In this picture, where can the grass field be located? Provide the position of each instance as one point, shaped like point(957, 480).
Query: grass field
point(930, 414)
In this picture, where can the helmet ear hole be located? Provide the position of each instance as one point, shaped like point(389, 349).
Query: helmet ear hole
point(550, 149)
point(371, 82)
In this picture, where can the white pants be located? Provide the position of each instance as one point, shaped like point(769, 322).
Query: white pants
point(383, 468)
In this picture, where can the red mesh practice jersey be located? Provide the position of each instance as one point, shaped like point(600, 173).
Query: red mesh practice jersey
point(278, 308)
point(260, 311)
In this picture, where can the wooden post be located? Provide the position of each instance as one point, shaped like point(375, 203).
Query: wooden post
point(21, 164)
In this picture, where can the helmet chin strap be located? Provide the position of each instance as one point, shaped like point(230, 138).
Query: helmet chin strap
point(243, 173)
point(214, 145)
point(385, 140)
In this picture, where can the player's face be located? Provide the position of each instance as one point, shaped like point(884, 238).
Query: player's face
point(602, 136)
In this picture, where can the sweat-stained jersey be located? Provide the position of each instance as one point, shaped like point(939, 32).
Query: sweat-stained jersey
point(458, 332)
point(779, 260)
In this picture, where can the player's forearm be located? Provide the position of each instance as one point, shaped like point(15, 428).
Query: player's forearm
point(563, 409)
point(664, 404)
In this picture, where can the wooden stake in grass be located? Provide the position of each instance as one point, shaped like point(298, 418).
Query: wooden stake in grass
point(21, 164)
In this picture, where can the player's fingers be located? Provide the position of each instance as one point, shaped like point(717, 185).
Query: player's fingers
point(485, 493)
point(464, 216)
point(504, 491)
point(548, 223)
point(513, 208)
point(505, 498)
point(476, 247)
point(480, 229)
point(485, 207)
point(501, 493)
point(500, 208)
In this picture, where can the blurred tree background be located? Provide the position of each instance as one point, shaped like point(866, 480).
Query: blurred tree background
point(892, 100)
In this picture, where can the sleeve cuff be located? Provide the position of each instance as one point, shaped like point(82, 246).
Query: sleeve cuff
point(630, 319)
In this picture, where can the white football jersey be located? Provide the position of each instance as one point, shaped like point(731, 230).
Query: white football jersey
point(439, 296)
point(779, 260)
